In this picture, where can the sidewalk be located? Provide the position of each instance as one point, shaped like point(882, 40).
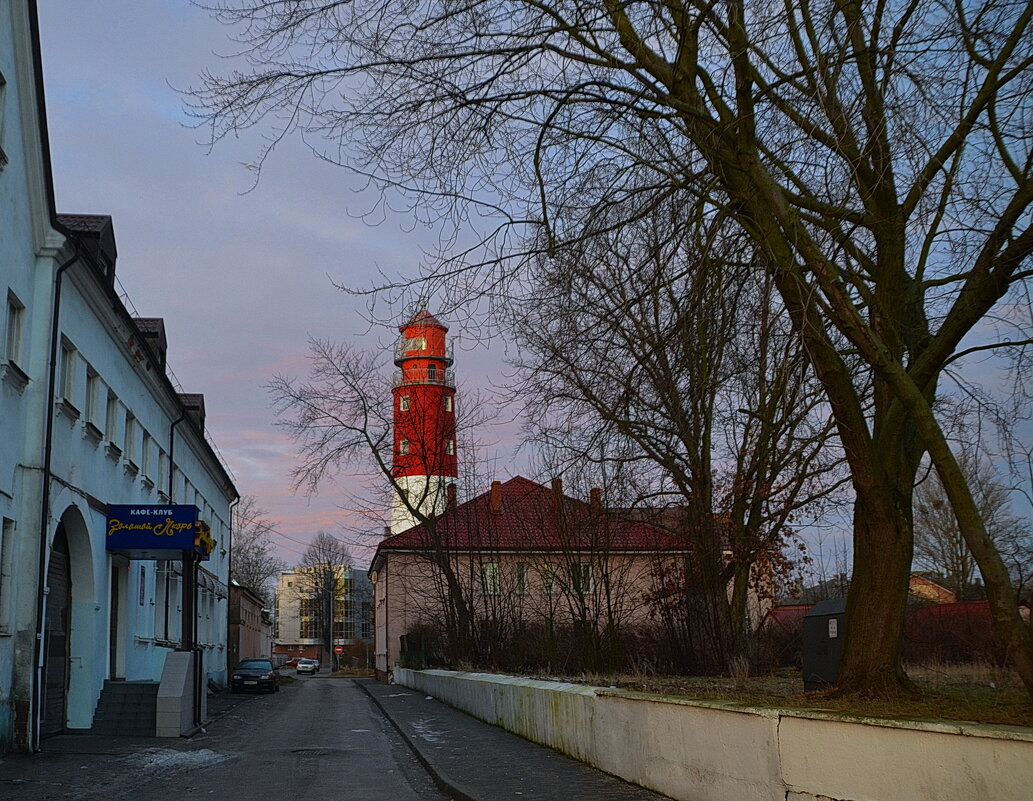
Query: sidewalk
point(475, 761)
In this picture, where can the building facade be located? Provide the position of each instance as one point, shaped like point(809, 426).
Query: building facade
point(520, 552)
point(250, 626)
point(304, 598)
point(88, 419)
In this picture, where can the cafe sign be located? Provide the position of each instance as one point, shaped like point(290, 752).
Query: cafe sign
point(157, 532)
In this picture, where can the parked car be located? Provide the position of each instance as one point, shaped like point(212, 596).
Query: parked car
point(255, 674)
point(308, 666)
point(290, 663)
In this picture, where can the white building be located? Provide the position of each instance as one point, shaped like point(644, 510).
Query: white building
point(88, 418)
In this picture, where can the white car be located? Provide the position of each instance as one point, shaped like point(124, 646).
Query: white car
point(307, 666)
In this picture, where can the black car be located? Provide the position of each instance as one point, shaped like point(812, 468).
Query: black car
point(255, 674)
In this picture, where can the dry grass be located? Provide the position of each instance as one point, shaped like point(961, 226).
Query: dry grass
point(353, 672)
point(975, 693)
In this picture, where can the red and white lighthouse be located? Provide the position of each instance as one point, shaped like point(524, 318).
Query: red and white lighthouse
point(424, 392)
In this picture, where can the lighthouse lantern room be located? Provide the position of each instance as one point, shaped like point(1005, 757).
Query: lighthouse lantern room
point(424, 421)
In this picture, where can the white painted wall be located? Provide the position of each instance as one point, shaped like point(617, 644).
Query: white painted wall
point(721, 752)
point(427, 493)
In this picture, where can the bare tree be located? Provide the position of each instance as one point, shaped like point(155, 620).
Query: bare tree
point(652, 348)
point(321, 590)
point(342, 417)
point(254, 563)
point(876, 154)
point(939, 545)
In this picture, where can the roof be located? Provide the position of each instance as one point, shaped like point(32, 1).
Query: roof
point(528, 521)
point(423, 317)
point(85, 223)
point(787, 616)
point(150, 325)
point(192, 400)
point(833, 606)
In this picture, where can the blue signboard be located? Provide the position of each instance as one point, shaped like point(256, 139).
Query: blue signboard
point(157, 532)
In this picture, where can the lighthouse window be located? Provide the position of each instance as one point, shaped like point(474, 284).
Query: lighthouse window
point(404, 446)
point(448, 403)
point(404, 403)
point(416, 343)
point(450, 447)
point(432, 372)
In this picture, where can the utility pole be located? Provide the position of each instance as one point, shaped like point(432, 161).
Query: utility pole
point(328, 589)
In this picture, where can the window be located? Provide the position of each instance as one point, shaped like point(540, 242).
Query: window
point(403, 404)
point(403, 446)
point(146, 462)
point(15, 323)
point(490, 578)
point(66, 384)
point(450, 447)
point(367, 621)
point(92, 389)
point(432, 372)
point(521, 578)
point(130, 442)
point(581, 578)
point(549, 578)
point(6, 580)
point(416, 343)
point(163, 472)
point(111, 419)
point(448, 403)
point(308, 611)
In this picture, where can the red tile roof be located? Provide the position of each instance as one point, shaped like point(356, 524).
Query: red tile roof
point(528, 522)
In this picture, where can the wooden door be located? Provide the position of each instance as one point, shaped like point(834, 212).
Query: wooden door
point(57, 637)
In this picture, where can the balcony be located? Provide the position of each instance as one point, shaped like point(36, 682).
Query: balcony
point(406, 348)
point(444, 378)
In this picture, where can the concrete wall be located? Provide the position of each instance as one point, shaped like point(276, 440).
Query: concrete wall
point(175, 709)
point(719, 752)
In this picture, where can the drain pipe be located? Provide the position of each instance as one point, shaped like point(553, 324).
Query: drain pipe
point(172, 454)
point(41, 605)
point(188, 625)
point(229, 596)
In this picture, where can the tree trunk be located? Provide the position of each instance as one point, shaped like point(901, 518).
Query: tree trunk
point(877, 600)
point(739, 605)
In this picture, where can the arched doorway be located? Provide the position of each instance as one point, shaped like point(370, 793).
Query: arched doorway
point(57, 636)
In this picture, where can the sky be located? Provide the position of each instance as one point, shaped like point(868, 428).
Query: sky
point(243, 274)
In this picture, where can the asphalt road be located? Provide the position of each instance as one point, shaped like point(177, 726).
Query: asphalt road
point(319, 739)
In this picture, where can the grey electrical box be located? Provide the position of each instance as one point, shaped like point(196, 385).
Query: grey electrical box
point(823, 632)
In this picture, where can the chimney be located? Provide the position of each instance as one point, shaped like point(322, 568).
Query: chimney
point(496, 496)
point(387, 531)
point(557, 495)
point(450, 496)
point(595, 499)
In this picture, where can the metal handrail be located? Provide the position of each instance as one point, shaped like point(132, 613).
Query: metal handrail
point(445, 378)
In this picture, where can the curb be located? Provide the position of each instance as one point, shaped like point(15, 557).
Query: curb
point(441, 779)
